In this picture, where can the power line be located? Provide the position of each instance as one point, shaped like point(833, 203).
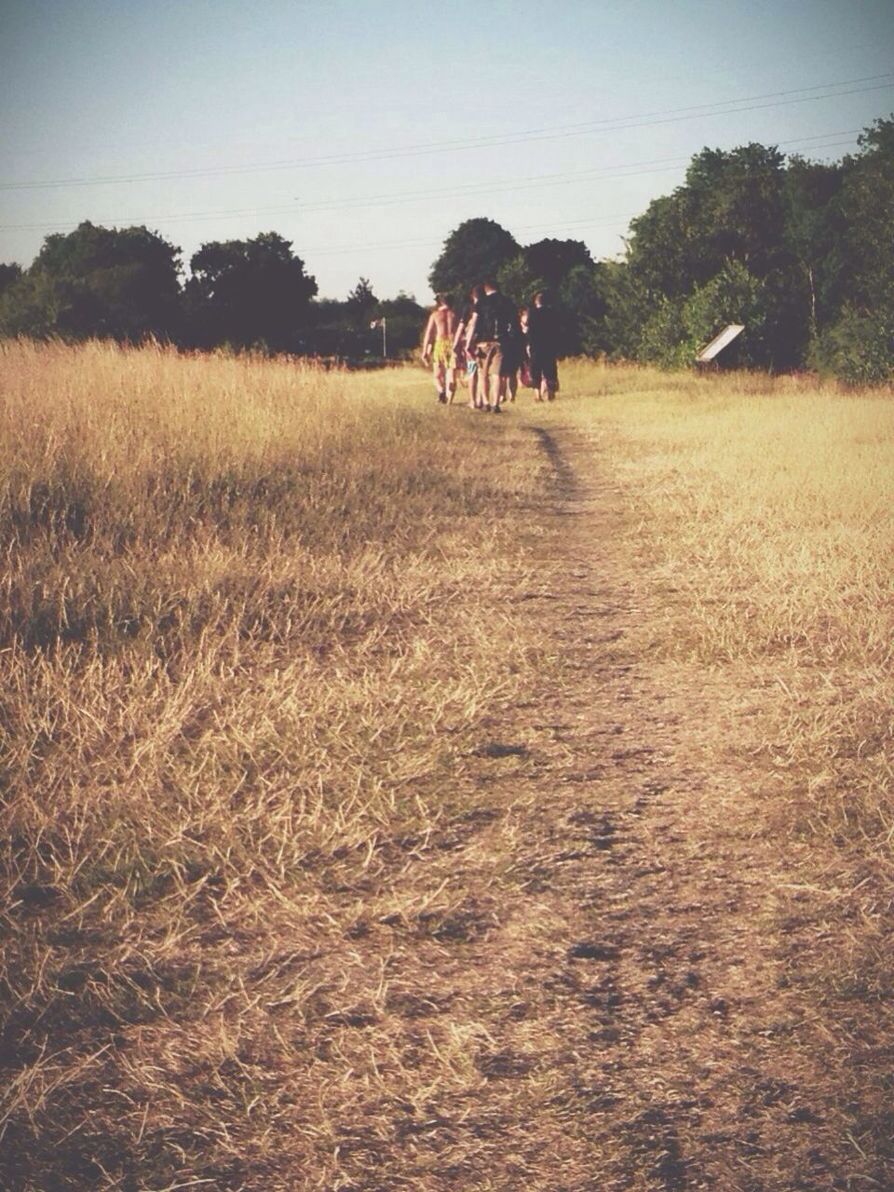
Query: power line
point(612, 124)
point(596, 173)
point(393, 198)
point(613, 221)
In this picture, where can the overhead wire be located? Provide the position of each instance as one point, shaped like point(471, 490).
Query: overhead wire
point(461, 190)
point(610, 124)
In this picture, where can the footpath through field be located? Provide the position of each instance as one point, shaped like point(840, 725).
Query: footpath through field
point(617, 967)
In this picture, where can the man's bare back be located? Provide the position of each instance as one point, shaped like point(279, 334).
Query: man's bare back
point(443, 322)
point(438, 349)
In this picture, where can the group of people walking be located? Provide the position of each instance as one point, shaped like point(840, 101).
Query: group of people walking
point(490, 346)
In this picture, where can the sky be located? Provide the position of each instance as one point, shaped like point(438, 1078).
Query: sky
point(365, 133)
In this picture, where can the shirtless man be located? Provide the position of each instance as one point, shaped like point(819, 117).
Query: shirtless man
point(438, 349)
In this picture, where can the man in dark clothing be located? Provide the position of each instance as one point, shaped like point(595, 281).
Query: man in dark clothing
point(543, 347)
point(495, 331)
point(466, 361)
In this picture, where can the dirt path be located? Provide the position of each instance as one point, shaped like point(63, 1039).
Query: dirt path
point(609, 1006)
point(691, 1064)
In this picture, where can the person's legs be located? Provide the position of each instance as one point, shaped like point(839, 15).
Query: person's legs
point(480, 388)
point(472, 376)
point(437, 375)
point(500, 395)
point(537, 380)
point(509, 371)
point(551, 379)
point(462, 376)
point(485, 375)
point(498, 380)
point(444, 370)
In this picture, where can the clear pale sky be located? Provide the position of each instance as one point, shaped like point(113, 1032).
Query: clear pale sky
point(365, 132)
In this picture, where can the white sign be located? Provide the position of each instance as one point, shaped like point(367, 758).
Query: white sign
point(719, 342)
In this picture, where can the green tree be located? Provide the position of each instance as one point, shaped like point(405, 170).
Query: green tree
point(857, 342)
point(249, 293)
point(582, 293)
point(336, 330)
point(628, 306)
point(858, 348)
point(552, 260)
point(565, 269)
point(473, 252)
point(867, 202)
point(665, 339)
point(121, 283)
point(517, 280)
point(738, 215)
point(679, 327)
point(730, 208)
point(814, 237)
point(361, 302)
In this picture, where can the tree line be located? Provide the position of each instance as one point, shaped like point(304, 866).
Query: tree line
point(800, 252)
point(125, 284)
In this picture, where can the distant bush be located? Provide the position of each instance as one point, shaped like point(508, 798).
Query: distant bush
point(859, 348)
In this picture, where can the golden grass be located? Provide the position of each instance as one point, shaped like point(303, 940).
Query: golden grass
point(252, 616)
point(248, 609)
point(769, 506)
point(766, 507)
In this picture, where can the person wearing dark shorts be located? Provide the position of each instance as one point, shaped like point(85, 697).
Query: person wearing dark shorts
point(543, 347)
point(513, 358)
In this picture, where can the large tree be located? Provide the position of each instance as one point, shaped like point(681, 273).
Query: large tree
point(867, 202)
point(582, 294)
point(552, 260)
point(859, 344)
point(249, 293)
point(739, 233)
point(814, 236)
point(544, 265)
point(107, 282)
point(472, 253)
point(731, 208)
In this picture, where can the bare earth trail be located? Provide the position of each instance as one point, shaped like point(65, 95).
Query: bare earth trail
point(609, 1008)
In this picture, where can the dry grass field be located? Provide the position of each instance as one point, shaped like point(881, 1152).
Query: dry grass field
point(401, 798)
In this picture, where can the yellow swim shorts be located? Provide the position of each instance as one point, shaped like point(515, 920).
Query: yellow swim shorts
point(444, 353)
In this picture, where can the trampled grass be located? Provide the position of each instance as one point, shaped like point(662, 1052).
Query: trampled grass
point(252, 616)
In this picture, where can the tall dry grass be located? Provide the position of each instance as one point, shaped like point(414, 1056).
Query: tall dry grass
point(252, 616)
point(249, 613)
point(768, 505)
point(766, 510)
